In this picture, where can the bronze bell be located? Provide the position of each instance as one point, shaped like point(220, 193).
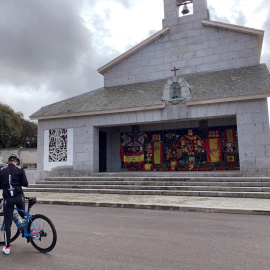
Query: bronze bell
point(185, 10)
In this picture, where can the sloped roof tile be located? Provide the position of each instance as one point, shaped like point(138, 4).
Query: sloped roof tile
point(237, 82)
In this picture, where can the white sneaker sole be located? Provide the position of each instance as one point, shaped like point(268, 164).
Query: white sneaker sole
point(6, 251)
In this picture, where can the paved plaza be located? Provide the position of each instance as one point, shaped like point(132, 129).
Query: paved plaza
point(102, 238)
point(176, 203)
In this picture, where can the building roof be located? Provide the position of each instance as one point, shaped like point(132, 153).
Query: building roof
point(108, 100)
point(229, 85)
point(134, 49)
point(208, 87)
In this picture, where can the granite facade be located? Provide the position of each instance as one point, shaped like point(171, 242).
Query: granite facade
point(192, 48)
point(249, 116)
point(189, 46)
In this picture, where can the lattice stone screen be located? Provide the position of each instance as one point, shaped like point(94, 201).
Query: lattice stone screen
point(58, 148)
point(57, 145)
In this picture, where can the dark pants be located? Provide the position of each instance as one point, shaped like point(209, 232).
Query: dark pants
point(8, 209)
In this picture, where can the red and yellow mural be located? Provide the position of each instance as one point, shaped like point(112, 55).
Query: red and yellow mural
point(176, 150)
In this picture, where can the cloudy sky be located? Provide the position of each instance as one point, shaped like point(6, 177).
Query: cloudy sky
point(50, 50)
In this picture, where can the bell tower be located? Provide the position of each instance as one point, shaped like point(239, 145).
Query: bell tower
point(173, 9)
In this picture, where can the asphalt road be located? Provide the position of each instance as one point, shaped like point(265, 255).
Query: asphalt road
point(116, 239)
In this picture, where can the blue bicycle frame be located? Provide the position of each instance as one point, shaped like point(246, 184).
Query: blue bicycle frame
point(24, 231)
point(38, 229)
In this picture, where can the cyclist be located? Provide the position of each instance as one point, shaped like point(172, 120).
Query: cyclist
point(12, 178)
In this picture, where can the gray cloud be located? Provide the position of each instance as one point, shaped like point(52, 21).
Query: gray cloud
point(39, 38)
point(48, 42)
point(266, 44)
point(239, 18)
point(127, 3)
point(46, 47)
point(215, 17)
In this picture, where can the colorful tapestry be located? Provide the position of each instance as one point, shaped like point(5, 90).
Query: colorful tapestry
point(131, 139)
point(190, 144)
point(230, 158)
point(121, 152)
point(158, 152)
point(229, 135)
point(148, 167)
point(174, 153)
point(170, 136)
point(213, 149)
point(134, 158)
point(191, 166)
point(148, 153)
point(156, 137)
point(173, 164)
point(213, 134)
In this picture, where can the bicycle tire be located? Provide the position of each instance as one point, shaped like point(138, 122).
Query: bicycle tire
point(46, 241)
point(15, 232)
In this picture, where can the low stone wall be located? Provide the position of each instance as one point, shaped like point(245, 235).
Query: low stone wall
point(32, 175)
point(28, 156)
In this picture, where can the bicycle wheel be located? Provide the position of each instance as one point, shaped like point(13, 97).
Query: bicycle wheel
point(46, 240)
point(15, 232)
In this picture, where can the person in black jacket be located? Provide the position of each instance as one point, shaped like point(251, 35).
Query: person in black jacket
point(12, 178)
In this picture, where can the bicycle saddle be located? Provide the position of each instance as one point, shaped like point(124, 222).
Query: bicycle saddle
point(32, 201)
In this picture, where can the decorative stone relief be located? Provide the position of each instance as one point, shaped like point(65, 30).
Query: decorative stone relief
point(176, 90)
point(58, 145)
point(58, 149)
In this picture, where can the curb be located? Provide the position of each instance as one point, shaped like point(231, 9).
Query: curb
point(158, 207)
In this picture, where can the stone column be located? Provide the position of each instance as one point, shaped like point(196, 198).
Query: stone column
point(253, 138)
point(94, 157)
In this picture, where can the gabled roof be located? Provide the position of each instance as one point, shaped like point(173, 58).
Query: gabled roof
point(208, 87)
point(134, 97)
point(229, 85)
point(134, 49)
point(232, 27)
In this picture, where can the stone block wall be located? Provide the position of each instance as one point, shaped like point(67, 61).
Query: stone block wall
point(253, 138)
point(189, 46)
point(28, 156)
point(32, 175)
point(251, 118)
point(252, 122)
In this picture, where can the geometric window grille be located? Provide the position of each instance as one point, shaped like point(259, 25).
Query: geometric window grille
point(57, 145)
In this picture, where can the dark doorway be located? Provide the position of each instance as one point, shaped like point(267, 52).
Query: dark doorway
point(102, 151)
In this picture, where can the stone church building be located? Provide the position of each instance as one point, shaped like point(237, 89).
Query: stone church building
point(191, 97)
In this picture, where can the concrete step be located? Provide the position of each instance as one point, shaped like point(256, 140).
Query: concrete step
point(196, 179)
point(263, 195)
point(156, 187)
point(235, 173)
point(153, 183)
point(225, 184)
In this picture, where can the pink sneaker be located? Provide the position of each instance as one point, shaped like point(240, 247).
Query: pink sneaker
point(6, 250)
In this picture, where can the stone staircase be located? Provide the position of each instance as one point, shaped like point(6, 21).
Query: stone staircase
point(211, 184)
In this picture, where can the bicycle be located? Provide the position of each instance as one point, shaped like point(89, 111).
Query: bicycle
point(38, 229)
